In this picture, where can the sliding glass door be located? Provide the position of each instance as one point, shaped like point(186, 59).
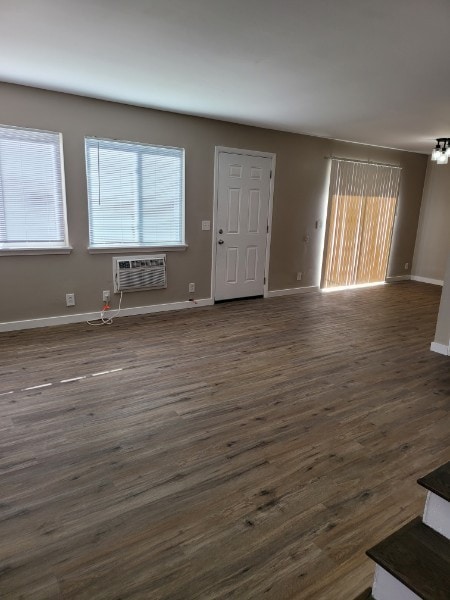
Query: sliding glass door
point(362, 204)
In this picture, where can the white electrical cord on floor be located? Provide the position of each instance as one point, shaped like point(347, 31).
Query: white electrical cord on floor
point(110, 318)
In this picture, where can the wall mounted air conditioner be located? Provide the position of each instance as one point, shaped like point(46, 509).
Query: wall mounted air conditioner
point(136, 273)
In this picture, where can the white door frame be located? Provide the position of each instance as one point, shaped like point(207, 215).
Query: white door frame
point(273, 158)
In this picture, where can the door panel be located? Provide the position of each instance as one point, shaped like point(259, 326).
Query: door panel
point(241, 227)
point(235, 171)
point(232, 265)
point(254, 209)
point(251, 263)
point(234, 209)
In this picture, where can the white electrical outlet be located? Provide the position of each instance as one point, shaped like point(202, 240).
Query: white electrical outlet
point(70, 299)
point(406, 266)
point(206, 225)
point(191, 288)
point(106, 296)
point(299, 276)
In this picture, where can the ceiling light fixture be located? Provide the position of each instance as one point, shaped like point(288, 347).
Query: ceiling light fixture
point(441, 152)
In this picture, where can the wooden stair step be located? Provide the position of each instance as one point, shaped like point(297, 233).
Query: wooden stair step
point(418, 557)
point(438, 481)
point(366, 595)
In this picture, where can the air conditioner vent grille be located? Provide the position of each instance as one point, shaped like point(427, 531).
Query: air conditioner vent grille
point(136, 273)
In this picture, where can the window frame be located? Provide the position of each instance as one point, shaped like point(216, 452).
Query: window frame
point(113, 248)
point(43, 247)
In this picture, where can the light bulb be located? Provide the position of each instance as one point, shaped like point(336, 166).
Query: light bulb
point(447, 151)
point(442, 159)
point(435, 153)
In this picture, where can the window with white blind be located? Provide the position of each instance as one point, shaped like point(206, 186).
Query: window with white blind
point(32, 201)
point(135, 194)
point(361, 214)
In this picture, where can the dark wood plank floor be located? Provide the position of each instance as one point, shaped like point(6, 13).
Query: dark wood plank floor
point(251, 450)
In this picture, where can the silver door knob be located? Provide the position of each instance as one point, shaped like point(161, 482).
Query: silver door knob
point(220, 242)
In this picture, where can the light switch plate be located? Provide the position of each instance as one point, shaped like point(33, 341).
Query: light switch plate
point(206, 225)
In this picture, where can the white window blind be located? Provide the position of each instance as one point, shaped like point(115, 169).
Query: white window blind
point(362, 205)
point(32, 203)
point(135, 193)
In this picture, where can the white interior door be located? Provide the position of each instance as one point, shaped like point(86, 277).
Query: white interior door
point(241, 225)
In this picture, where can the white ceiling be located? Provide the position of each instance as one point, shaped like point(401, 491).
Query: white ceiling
point(373, 71)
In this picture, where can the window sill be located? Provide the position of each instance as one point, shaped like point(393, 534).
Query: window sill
point(34, 251)
point(136, 249)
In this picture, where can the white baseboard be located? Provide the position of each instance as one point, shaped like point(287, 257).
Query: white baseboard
point(440, 348)
point(398, 278)
point(427, 280)
point(290, 291)
point(83, 317)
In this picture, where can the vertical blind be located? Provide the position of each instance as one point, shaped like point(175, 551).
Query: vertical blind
point(32, 205)
point(135, 193)
point(363, 200)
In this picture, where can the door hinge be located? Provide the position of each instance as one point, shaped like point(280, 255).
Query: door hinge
point(270, 173)
point(264, 280)
point(267, 227)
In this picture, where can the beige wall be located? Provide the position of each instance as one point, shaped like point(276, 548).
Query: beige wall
point(35, 286)
point(433, 234)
